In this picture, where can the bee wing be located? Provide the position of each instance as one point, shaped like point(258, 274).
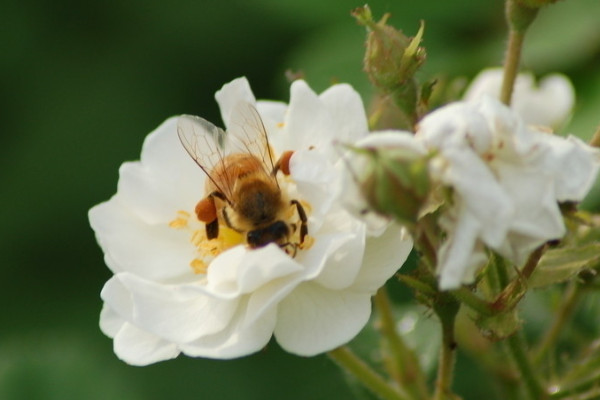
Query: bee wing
point(205, 143)
point(247, 134)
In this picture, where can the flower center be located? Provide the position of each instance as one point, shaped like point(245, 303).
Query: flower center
point(206, 249)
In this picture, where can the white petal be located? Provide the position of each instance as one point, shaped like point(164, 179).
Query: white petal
point(457, 257)
point(316, 179)
point(335, 258)
point(240, 270)
point(312, 320)
point(346, 108)
point(308, 122)
point(272, 110)
point(166, 159)
point(384, 256)
point(483, 195)
point(574, 164)
point(549, 104)
point(537, 216)
point(137, 347)
point(505, 126)
point(164, 181)
point(453, 126)
point(117, 299)
point(487, 82)
point(273, 116)
point(152, 251)
point(240, 338)
point(532, 193)
point(177, 313)
point(110, 321)
point(232, 93)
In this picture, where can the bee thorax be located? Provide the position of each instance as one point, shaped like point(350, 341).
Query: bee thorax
point(260, 202)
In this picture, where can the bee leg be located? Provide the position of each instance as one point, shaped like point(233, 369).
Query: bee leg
point(294, 250)
point(206, 211)
point(303, 220)
point(286, 247)
point(283, 164)
point(212, 229)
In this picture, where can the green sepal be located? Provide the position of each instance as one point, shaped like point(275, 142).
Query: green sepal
point(560, 265)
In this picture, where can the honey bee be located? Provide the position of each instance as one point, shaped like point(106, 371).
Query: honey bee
point(242, 190)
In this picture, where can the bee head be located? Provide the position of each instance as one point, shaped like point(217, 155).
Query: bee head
point(274, 233)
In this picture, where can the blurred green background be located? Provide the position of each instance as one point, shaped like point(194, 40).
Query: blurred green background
point(82, 83)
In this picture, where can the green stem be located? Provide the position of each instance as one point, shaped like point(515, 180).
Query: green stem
point(475, 302)
point(511, 65)
point(517, 349)
point(426, 231)
point(360, 370)
point(446, 308)
point(563, 314)
point(519, 18)
point(404, 365)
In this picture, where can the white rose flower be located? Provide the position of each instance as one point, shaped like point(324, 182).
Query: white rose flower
point(547, 103)
point(507, 179)
point(174, 291)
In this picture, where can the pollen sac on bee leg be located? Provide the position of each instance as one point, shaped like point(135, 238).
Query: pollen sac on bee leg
point(206, 210)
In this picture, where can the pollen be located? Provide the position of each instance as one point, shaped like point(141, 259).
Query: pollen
point(181, 220)
point(208, 249)
point(308, 242)
point(230, 237)
point(198, 237)
point(280, 124)
point(198, 266)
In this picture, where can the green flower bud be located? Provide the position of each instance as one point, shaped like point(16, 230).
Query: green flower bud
point(392, 59)
point(396, 182)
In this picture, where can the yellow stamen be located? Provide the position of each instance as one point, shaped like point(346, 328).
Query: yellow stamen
point(181, 220)
point(198, 237)
point(198, 266)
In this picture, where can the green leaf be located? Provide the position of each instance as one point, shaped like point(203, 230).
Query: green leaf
point(559, 265)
